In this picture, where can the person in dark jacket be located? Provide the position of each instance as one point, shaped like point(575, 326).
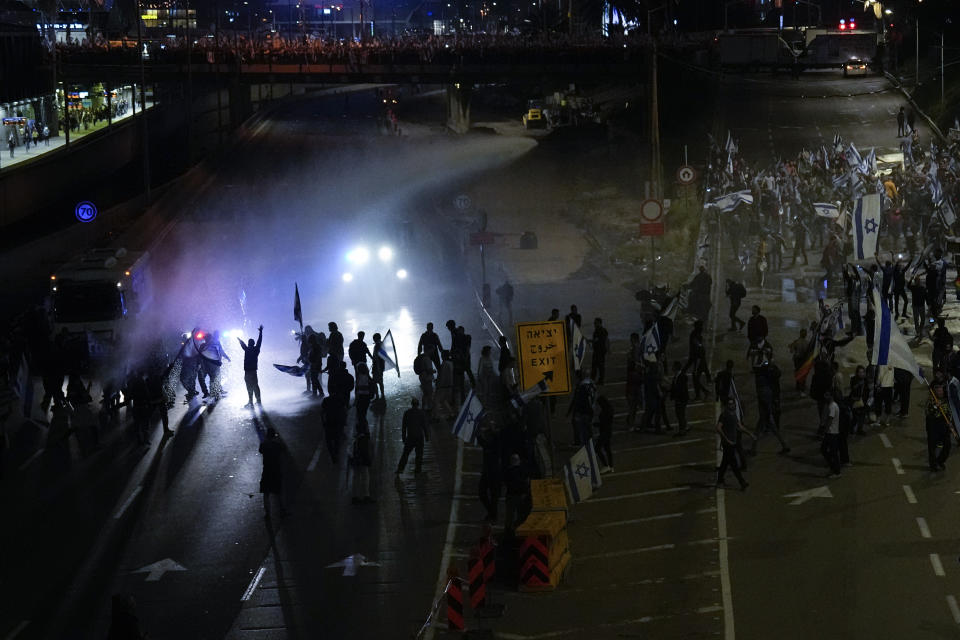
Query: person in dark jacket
point(334, 344)
point(736, 292)
point(414, 433)
point(697, 360)
point(271, 480)
point(491, 472)
point(333, 417)
point(124, 623)
point(358, 351)
point(360, 460)
point(251, 355)
point(518, 500)
point(756, 326)
point(340, 383)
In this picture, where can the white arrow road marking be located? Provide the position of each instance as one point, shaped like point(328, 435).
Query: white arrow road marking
point(802, 496)
point(156, 570)
point(350, 564)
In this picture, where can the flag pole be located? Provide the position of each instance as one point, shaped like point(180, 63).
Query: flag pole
point(936, 400)
point(396, 360)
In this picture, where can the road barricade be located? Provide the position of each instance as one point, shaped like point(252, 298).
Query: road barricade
point(548, 495)
point(544, 550)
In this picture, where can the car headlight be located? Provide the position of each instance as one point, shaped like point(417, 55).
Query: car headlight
point(385, 254)
point(358, 255)
point(347, 277)
point(402, 274)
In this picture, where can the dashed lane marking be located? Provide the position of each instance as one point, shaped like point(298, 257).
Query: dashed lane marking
point(897, 466)
point(663, 468)
point(23, 625)
point(954, 609)
point(29, 460)
point(937, 565)
point(257, 577)
point(641, 550)
point(924, 529)
point(639, 494)
point(886, 441)
point(672, 443)
point(315, 459)
point(664, 516)
point(911, 497)
point(127, 502)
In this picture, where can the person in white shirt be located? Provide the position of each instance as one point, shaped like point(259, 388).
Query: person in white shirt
point(830, 447)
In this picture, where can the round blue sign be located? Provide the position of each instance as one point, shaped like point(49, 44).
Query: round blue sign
point(85, 211)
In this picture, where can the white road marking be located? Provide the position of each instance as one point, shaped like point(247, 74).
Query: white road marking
point(886, 441)
point(924, 529)
point(639, 494)
point(897, 466)
point(315, 459)
point(128, 502)
point(672, 443)
point(626, 552)
point(937, 565)
point(31, 459)
point(954, 609)
point(911, 498)
point(663, 468)
point(253, 584)
point(665, 516)
point(23, 625)
point(448, 543)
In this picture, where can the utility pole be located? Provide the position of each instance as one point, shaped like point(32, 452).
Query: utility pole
point(144, 130)
point(655, 172)
point(189, 88)
point(916, 57)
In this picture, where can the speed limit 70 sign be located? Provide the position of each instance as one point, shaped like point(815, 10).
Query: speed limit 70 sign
point(686, 174)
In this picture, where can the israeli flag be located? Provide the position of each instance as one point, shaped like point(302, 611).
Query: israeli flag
point(468, 421)
point(826, 157)
point(736, 398)
point(839, 181)
point(946, 210)
point(936, 191)
point(292, 369)
point(891, 347)
point(729, 202)
point(826, 210)
point(581, 473)
point(525, 396)
point(837, 143)
point(852, 157)
point(866, 226)
point(953, 397)
point(731, 146)
point(650, 343)
point(579, 347)
point(870, 162)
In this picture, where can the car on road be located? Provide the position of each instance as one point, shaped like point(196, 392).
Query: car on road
point(378, 266)
point(855, 67)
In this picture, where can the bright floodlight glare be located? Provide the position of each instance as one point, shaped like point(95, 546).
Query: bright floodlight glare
point(402, 274)
point(359, 255)
point(385, 254)
point(348, 277)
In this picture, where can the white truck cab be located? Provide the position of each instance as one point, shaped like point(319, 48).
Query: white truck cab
point(98, 295)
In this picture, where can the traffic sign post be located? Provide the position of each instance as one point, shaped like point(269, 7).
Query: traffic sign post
point(686, 175)
point(651, 224)
point(542, 353)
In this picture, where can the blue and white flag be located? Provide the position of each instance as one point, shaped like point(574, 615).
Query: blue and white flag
point(837, 143)
point(953, 398)
point(826, 157)
point(729, 202)
point(467, 423)
point(581, 473)
point(936, 191)
point(292, 369)
point(579, 344)
point(891, 346)
point(852, 157)
point(520, 399)
point(650, 343)
point(736, 398)
point(731, 146)
point(870, 162)
point(381, 352)
point(826, 210)
point(866, 227)
point(840, 181)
